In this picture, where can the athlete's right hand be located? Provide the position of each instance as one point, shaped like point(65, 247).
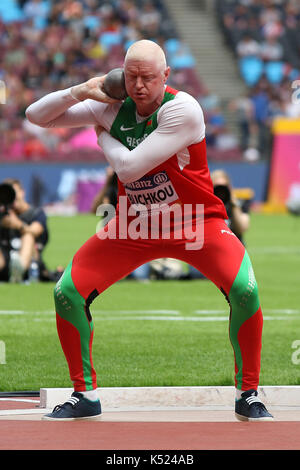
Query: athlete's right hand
point(92, 89)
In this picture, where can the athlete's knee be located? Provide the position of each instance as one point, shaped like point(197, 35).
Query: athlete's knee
point(244, 292)
point(64, 292)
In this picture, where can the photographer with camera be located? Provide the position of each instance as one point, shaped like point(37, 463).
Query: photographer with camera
point(23, 235)
point(237, 210)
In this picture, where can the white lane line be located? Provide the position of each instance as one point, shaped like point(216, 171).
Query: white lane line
point(25, 400)
point(142, 312)
point(26, 312)
point(97, 312)
point(187, 319)
point(12, 312)
point(287, 311)
point(207, 312)
point(24, 412)
point(161, 314)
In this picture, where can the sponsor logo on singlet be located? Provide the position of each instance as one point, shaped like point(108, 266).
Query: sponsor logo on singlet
point(227, 231)
point(133, 142)
point(151, 189)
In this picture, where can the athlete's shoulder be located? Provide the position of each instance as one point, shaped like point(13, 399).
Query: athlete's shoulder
point(183, 101)
point(184, 108)
point(186, 97)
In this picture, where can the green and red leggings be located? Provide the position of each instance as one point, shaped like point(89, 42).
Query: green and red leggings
point(99, 263)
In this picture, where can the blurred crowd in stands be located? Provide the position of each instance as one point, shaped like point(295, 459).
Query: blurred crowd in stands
point(264, 36)
point(53, 44)
point(49, 45)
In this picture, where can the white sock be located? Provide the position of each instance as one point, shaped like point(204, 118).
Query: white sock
point(238, 393)
point(91, 395)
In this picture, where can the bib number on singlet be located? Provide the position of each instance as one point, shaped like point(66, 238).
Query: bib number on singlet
point(151, 190)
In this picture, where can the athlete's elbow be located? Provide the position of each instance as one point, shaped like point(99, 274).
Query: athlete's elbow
point(126, 176)
point(32, 117)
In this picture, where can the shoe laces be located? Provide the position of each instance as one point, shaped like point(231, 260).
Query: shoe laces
point(71, 401)
point(253, 399)
point(255, 402)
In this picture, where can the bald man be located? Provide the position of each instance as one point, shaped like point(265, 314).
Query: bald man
point(155, 142)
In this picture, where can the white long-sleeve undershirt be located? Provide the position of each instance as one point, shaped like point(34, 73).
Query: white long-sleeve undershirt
point(180, 124)
point(61, 109)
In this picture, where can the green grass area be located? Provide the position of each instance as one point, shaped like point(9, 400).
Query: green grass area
point(153, 334)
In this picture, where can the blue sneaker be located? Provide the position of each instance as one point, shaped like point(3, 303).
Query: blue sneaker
point(76, 407)
point(250, 408)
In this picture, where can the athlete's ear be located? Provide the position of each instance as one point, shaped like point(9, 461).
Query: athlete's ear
point(166, 74)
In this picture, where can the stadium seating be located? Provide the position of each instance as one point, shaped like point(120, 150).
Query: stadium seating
point(51, 45)
point(264, 37)
point(278, 21)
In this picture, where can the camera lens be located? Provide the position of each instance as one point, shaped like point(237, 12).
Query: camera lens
point(7, 194)
point(223, 193)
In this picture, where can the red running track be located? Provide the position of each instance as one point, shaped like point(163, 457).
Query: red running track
point(34, 434)
point(84, 435)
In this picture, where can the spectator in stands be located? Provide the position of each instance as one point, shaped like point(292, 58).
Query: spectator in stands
point(271, 49)
point(276, 108)
point(260, 98)
point(248, 47)
point(244, 108)
point(38, 11)
point(149, 20)
point(215, 124)
point(209, 101)
point(270, 19)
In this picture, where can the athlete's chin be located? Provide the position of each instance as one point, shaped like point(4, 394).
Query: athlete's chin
point(140, 97)
point(140, 101)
